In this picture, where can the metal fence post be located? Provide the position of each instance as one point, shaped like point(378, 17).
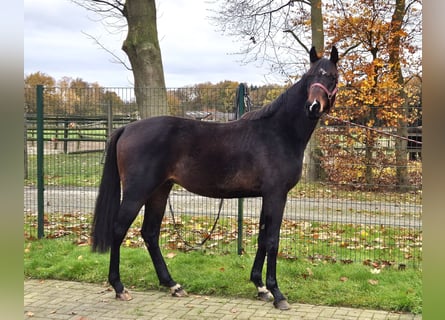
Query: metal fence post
point(40, 180)
point(239, 113)
point(109, 118)
point(26, 146)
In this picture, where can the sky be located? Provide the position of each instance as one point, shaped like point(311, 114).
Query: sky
point(193, 51)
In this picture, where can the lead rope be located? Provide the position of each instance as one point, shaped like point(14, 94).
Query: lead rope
point(209, 234)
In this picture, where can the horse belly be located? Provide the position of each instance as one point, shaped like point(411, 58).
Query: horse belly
point(219, 182)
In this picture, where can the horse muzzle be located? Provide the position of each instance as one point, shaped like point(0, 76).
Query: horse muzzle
point(314, 109)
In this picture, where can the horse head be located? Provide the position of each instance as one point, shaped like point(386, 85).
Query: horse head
point(322, 83)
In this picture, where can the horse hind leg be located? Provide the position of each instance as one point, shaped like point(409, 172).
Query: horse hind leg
point(126, 215)
point(154, 212)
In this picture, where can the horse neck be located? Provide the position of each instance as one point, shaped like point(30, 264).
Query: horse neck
point(293, 114)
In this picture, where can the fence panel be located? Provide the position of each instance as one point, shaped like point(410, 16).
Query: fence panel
point(364, 205)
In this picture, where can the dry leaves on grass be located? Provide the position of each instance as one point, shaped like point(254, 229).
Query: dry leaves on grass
point(373, 282)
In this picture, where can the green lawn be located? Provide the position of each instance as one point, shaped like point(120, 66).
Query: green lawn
point(301, 280)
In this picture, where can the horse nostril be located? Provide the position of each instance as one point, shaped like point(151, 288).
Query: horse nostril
point(315, 103)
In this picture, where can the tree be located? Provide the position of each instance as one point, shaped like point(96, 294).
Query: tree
point(274, 32)
point(381, 40)
point(142, 48)
point(31, 81)
point(70, 96)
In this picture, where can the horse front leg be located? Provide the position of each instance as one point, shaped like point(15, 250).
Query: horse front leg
point(273, 207)
point(256, 275)
point(154, 212)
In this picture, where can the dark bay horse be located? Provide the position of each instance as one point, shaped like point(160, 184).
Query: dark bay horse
point(259, 155)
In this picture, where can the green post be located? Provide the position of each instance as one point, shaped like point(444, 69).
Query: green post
point(40, 181)
point(240, 112)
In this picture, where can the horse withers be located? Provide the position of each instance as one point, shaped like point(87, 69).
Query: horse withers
point(259, 155)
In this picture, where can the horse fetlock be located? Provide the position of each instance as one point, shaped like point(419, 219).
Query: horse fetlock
point(178, 291)
point(264, 294)
point(124, 296)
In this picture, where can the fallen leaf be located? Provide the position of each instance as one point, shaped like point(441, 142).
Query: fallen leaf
point(375, 271)
point(373, 282)
point(170, 255)
point(363, 234)
point(344, 279)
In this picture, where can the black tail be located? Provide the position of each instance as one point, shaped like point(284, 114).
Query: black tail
point(108, 199)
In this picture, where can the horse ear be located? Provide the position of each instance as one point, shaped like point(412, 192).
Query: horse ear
point(334, 55)
point(313, 55)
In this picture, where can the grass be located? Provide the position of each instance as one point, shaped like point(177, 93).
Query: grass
point(77, 170)
point(342, 243)
point(70, 133)
point(303, 281)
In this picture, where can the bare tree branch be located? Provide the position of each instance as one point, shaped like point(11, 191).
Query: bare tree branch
point(346, 51)
point(261, 25)
point(116, 57)
point(102, 6)
point(297, 39)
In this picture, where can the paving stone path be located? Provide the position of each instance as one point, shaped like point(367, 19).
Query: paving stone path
point(67, 300)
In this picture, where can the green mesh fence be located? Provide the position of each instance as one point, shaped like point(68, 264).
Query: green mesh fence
point(360, 198)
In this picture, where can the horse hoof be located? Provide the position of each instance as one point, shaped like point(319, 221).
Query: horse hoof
point(178, 292)
point(282, 305)
point(265, 296)
point(124, 296)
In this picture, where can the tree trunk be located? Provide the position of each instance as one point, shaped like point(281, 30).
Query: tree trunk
point(394, 60)
point(143, 50)
point(317, 26)
point(313, 151)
